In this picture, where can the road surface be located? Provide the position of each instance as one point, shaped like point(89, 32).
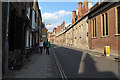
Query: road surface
point(78, 64)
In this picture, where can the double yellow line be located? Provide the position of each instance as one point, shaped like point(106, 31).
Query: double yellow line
point(64, 77)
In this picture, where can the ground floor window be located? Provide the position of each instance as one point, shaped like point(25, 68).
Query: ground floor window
point(94, 28)
point(104, 26)
point(118, 14)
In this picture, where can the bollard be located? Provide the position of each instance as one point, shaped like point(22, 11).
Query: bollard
point(107, 50)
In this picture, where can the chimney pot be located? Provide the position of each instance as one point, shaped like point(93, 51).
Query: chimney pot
point(73, 16)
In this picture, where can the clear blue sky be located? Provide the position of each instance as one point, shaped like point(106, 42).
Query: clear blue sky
point(55, 13)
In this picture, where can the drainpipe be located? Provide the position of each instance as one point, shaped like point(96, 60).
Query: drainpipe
point(6, 43)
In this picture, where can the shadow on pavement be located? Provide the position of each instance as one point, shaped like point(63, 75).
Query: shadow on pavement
point(76, 67)
point(90, 70)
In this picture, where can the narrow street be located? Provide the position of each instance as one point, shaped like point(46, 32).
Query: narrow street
point(77, 64)
point(74, 63)
point(60, 39)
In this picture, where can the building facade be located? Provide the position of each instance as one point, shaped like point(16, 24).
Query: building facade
point(36, 25)
point(18, 35)
point(44, 32)
point(93, 27)
point(60, 38)
point(76, 35)
point(50, 37)
point(104, 27)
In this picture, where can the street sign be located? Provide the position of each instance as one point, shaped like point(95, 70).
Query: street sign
point(45, 30)
point(43, 35)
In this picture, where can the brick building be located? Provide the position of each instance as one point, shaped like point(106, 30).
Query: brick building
point(51, 36)
point(104, 27)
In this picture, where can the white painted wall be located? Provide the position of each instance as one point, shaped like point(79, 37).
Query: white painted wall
point(33, 19)
point(28, 12)
point(30, 40)
point(27, 39)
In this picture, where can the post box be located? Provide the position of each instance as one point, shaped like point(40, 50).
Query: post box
point(107, 50)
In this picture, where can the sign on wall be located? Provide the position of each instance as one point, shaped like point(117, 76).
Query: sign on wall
point(43, 35)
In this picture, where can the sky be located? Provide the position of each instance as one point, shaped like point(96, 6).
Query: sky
point(54, 13)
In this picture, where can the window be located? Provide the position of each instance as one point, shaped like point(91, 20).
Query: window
point(118, 19)
point(94, 29)
point(106, 15)
point(104, 26)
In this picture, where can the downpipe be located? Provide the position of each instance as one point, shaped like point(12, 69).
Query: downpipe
point(6, 48)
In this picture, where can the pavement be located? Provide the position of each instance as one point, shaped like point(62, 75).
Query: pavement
point(40, 66)
point(78, 63)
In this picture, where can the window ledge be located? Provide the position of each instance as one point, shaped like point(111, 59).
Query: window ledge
point(104, 36)
point(93, 37)
point(117, 34)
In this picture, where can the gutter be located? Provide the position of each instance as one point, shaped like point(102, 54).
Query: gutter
point(108, 5)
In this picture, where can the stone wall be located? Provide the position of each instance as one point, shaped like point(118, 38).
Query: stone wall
point(77, 36)
point(80, 38)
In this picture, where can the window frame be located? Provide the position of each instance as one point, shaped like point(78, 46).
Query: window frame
point(116, 21)
point(95, 27)
point(105, 24)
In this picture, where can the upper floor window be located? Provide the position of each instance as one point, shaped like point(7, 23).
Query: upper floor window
point(106, 17)
point(104, 25)
point(94, 28)
point(118, 19)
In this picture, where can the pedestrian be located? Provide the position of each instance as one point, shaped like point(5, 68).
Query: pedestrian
point(41, 45)
point(47, 45)
point(44, 44)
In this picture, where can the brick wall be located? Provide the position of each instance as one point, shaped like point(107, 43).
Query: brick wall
point(111, 40)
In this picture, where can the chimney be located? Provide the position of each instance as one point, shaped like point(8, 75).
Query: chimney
point(79, 10)
point(73, 16)
point(86, 4)
point(89, 4)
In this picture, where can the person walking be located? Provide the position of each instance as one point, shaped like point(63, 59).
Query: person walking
point(41, 45)
point(47, 45)
point(44, 44)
